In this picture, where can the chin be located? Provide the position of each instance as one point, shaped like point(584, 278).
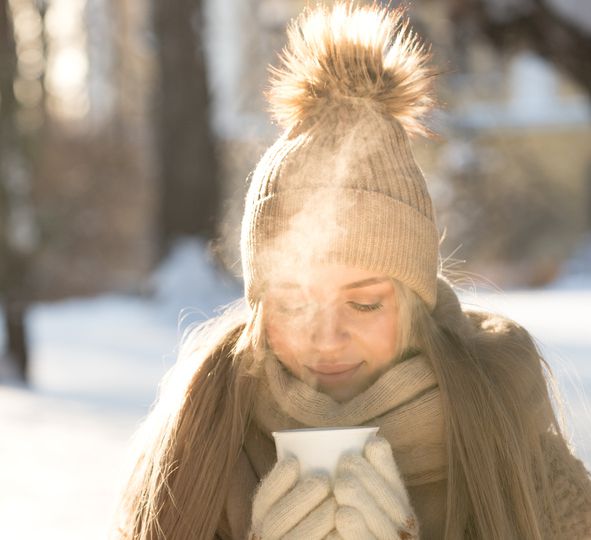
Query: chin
point(341, 394)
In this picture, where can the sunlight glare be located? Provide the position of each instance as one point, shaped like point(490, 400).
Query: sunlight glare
point(67, 64)
point(67, 70)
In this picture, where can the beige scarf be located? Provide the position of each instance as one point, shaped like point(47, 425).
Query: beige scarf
point(404, 403)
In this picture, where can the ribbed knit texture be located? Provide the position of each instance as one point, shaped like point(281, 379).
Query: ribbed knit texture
point(404, 403)
point(348, 191)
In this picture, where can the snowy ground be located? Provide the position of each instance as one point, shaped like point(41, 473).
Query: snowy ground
point(97, 363)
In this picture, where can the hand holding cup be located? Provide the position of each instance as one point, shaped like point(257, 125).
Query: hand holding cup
point(371, 496)
point(289, 506)
point(369, 500)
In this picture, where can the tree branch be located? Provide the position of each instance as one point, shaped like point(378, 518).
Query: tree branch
point(537, 27)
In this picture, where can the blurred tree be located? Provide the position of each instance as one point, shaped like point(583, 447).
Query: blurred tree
point(190, 190)
point(17, 238)
point(76, 196)
point(535, 24)
point(513, 210)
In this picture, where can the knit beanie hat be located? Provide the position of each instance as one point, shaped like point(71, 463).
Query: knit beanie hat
point(341, 185)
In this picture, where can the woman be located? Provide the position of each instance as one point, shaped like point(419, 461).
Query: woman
point(347, 322)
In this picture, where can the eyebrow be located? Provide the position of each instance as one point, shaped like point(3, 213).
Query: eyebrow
point(365, 282)
point(354, 285)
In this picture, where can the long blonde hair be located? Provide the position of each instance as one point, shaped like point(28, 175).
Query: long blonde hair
point(496, 399)
point(187, 446)
point(496, 404)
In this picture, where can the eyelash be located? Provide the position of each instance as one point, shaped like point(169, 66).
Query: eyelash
point(364, 308)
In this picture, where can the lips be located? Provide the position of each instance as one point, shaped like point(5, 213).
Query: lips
point(333, 375)
point(333, 369)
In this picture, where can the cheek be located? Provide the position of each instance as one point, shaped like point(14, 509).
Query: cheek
point(379, 340)
point(286, 342)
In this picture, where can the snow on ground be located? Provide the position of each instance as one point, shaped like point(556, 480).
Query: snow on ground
point(96, 364)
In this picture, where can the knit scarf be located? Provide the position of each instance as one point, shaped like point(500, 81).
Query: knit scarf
point(404, 403)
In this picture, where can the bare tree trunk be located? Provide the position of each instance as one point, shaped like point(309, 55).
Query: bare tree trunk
point(11, 262)
point(190, 191)
point(7, 110)
point(18, 352)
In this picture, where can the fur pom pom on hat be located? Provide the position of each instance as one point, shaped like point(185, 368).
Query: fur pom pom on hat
point(341, 185)
point(348, 53)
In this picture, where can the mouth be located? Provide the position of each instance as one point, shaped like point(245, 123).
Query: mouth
point(333, 373)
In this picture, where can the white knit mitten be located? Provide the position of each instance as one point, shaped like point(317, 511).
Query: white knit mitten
point(372, 500)
point(289, 507)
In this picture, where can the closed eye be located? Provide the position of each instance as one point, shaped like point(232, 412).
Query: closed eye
point(365, 307)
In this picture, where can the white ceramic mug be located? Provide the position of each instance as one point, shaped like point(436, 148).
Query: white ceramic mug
point(319, 449)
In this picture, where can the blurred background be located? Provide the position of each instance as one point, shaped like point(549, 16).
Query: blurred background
point(127, 132)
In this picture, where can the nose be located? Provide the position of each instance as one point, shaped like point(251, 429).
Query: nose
point(328, 334)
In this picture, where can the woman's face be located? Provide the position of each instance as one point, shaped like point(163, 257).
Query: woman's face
point(335, 328)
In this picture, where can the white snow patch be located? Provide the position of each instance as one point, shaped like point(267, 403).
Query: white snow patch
point(188, 281)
